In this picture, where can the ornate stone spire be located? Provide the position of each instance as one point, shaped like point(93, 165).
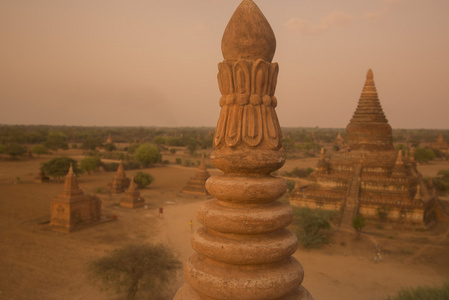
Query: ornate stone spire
point(244, 250)
point(369, 129)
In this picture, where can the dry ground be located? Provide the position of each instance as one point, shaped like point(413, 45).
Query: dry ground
point(38, 263)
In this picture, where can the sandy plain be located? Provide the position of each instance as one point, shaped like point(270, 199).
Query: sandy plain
point(38, 263)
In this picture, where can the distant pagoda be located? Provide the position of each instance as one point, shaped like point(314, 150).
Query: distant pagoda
point(72, 209)
point(196, 184)
point(370, 175)
point(132, 198)
point(120, 182)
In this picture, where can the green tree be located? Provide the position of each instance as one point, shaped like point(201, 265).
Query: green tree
point(192, 145)
point(143, 179)
point(358, 223)
point(312, 223)
point(132, 148)
point(15, 150)
point(147, 154)
point(39, 149)
point(2, 149)
point(173, 141)
point(110, 147)
point(89, 164)
point(56, 140)
point(424, 154)
point(59, 167)
point(159, 140)
point(135, 268)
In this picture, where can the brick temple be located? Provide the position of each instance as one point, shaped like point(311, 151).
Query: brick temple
point(368, 176)
point(72, 209)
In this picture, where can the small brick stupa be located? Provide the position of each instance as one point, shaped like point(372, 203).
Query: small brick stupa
point(120, 182)
point(369, 175)
point(243, 250)
point(196, 184)
point(71, 209)
point(132, 198)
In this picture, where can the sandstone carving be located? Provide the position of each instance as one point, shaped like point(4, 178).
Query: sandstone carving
point(243, 249)
point(368, 174)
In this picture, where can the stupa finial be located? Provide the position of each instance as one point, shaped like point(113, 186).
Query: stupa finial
point(370, 75)
point(248, 35)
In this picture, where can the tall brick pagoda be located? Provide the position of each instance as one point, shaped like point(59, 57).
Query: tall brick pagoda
point(368, 175)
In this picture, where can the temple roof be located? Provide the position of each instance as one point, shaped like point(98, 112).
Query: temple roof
point(248, 35)
point(369, 128)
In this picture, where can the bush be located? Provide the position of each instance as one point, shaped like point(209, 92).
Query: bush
point(312, 223)
point(39, 149)
point(178, 161)
point(110, 147)
point(173, 151)
point(59, 167)
point(15, 150)
point(299, 172)
point(290, 185)
point(131, 165)
point(358, 223)
point(110, 167)
point(89, 164)
point(113, 155)
point(147, 154)
point(421, 293)
point(135, 269)
point(424, 155)
point(143, 179)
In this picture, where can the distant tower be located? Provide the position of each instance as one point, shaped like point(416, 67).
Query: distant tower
point(72, 209)
point(196, 184)
point(109, 139)
point(244, 250)
point(120, 182)
point(339, 140)
point(132, 198)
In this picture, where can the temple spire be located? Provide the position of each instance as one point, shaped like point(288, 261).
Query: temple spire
point(369, 128)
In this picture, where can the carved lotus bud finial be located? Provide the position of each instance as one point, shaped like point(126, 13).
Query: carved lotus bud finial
point(248, 35)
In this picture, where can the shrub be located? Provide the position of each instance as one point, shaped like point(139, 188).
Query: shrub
point(312, 223)
point(110, 147)
point(421, 293)
point(143, 179)
point(147, 154)
point(89, 164)
point(110, 167)
point(290, 185)
point(135, 269)
point(358, 223)
point(178, 161)
point(299, 172)
point(131, 165)
point(173, 151)
point(59, 167)
point(39, 149)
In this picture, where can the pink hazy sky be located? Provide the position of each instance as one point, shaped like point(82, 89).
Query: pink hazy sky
point(154, 62)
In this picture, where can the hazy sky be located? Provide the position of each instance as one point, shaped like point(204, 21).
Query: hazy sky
point(154, 62)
